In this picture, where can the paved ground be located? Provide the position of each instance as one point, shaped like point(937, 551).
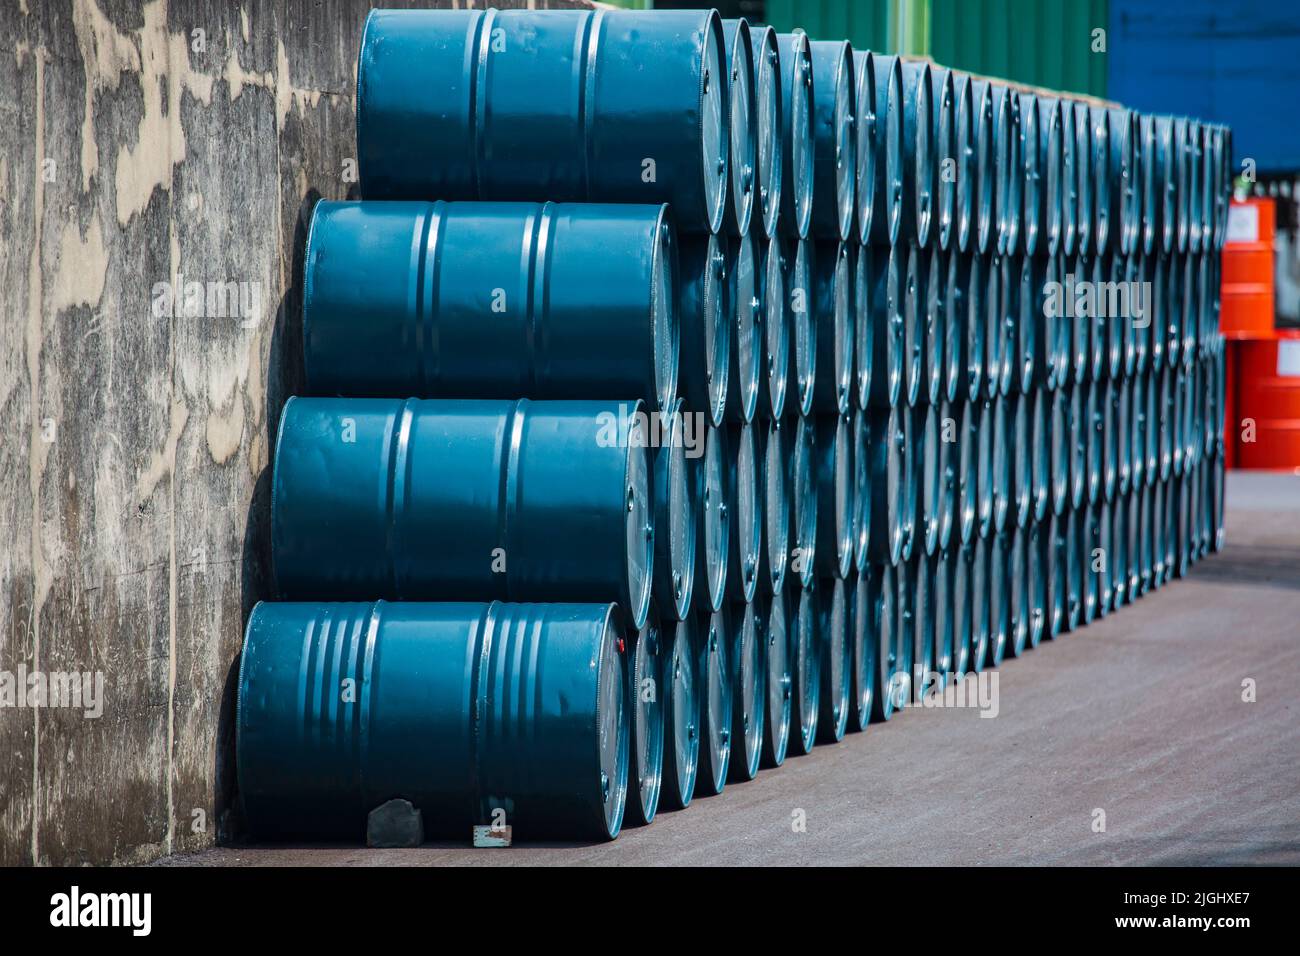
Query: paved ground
point(1140, 715)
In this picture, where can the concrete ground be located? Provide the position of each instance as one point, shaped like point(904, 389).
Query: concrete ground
point(1139, 715)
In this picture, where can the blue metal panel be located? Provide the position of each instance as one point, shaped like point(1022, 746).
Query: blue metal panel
point(1230, 61)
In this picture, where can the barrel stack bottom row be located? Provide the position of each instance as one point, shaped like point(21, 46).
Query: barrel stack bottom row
point(666, 412)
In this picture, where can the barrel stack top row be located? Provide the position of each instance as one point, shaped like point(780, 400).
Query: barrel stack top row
point(733, 126)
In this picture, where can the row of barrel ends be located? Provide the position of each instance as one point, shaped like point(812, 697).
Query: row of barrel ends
point(925, 143)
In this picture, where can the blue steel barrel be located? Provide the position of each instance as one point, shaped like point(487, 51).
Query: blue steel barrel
point(1081, 125)
point(1032, 172)
point(745, 509)
point(914, 321)
point(705, 326)
point(835, 645)
point(911, 478)
point(882, 589)
point(772, 613)
point(1125, 212)
point(802, 485)
point(887, 212)
point(1182, 176)
point(999, 598)
point(994, 340)
point(988, 461)
point(868, 131)
point(983, 226)
point(1040, 454)
point(930, 486)
point(674, 436)
point(947, 423)
point(1037, 579)
point(980, 602)
point(452, 499)
point(1019, 591)
point(1010, 170)
point(805, 666)
point(797, 257)
point(884, 445)
point(862, 631)
point(833, 276)
point(944, 151)
point(797, 123)
point(971, 274)
point(333, 698)
point(1038, 346)
point(490, 300)
point(749, 690)
point(745, 314)
point(904, 634)
point(836, 547)
point(739, 206)
point(774, 497)
point(769, 95)
point(959, 592)
point(1101, 133)
point(1166, 184)
point(645, 680)
point(1000, 410)
point(966, 498)
point(941, 575)
point(885, 309)
point(1091, 539)
point(834, 139)
point(681, 706)
point(918, 152)
point(863, 325)
point(546, 105)
point(775, 372)
point(964, 146)
point(922, 576)
point(1021, 453)
point(860, 488)
point(1053, 175)
point(1068, 191)
point(713, 532)
point(1145, 198)
point(716, 700)
point(965, 636)
point(1195, 179)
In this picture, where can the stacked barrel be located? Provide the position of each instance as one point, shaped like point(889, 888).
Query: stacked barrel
point(740, 346)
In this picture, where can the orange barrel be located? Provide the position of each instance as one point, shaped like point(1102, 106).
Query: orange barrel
point(1247, 310)
point(1231, 424)
point(1268, 391)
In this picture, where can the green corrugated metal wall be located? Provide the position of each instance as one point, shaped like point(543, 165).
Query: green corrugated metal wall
point(1039, 42)
point(864, 23)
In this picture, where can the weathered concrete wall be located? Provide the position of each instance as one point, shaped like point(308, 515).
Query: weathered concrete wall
point(139, 143)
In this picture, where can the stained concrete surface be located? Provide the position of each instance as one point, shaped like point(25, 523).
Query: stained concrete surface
point(1140, 715)
point(147, 143)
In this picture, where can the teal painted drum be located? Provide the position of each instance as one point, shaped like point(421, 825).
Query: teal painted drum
point(475, 713)
point(453, 499)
